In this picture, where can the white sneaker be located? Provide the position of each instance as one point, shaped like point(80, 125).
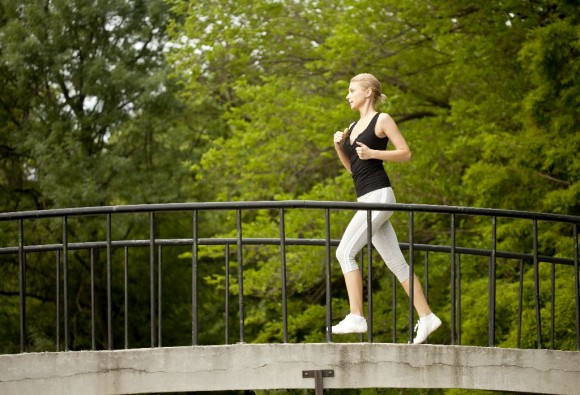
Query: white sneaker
point(351, 324)
point(425, 327)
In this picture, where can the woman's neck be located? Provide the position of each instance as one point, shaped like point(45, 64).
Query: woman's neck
point(366, 110)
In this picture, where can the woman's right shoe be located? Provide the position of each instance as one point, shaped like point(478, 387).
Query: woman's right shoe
point(350, 324)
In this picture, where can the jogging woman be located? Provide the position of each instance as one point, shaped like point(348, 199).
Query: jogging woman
point(362, 151)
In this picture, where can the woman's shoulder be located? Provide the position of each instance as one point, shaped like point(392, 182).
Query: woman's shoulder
point(384, 123)
point(384, 116)
point(385, 120)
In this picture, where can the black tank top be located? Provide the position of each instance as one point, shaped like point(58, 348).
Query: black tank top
point(368, 175)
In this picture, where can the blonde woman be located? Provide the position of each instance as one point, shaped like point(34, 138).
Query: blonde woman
point(362, 151)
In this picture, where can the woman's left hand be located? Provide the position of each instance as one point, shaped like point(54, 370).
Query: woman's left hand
point(363, 151)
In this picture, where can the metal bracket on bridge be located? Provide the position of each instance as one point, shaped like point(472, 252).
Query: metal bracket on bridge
point(317, 375)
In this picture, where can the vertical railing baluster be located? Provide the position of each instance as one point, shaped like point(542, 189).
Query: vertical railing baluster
point(57, 301)
point(126, 295)
point(283, 274)
point(411, 274)
point(458, 299)
point(453, 282)
point(553, 300)
point(159, 296)
point(370, 275)
point(361, 259)
point(227, 293)
point(194, 274)
point(65, 280)
point(577, 286)
point(491, 286)
point(152, 276)
point(520, 302)
point(240, 273)
point(109, 286)
point(537, 284)
point(22, 284)
point(394, 285)
point(426, 276)
point(93, 307)
point(327, 276)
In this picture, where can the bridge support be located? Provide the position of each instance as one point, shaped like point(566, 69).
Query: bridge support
point(318, 375)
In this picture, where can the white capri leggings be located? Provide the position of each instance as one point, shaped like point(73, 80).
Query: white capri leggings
point(384, 238)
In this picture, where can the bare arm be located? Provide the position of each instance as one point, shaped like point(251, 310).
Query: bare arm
point(386, 127)
point(338, 145)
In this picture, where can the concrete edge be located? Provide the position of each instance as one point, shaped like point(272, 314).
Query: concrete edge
point(280, 366)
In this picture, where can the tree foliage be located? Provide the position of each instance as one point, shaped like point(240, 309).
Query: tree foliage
point(109, 102)
point(89, 116)
point(485, 93)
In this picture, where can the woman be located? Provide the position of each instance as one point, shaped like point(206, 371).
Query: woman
point(362, 150)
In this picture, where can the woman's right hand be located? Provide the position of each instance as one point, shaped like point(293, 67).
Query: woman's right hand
point(339, 137)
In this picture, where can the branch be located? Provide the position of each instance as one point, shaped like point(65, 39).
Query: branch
point(554, 179)
point(415, 115)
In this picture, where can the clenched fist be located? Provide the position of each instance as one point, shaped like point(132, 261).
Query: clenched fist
point(363, 151)
point(339, 137)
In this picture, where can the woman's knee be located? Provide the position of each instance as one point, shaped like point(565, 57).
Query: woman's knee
point(347, 263)
point(400, 268)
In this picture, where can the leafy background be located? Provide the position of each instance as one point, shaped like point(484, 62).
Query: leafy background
point(108, 103)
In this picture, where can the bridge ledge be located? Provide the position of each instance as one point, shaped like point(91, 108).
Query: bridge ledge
point(281, 366)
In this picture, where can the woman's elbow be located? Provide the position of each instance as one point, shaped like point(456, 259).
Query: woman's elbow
point(408, 156)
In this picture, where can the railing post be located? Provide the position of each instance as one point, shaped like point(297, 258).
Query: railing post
point(520, 302)
point(458, 282)
point(426, 276)
point(453, 282)
point(537, 285)
point(159, 296)
point(283, 274)
point(194, 290)
point(152, 276)
point(394, 285)
point(126, 295)
point(577, 286)
point(411, 274)
point(240, 273)
point(65, 280)
point(491, 286)
point(109, 286)
point(553, 310)
point(327, 276)
point(57, 301)
point(370, 274)
point(22, 285)
point(93, 308)
point(93, 299)
point(227, 294)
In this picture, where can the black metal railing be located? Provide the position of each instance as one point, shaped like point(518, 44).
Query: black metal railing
point(21, 222)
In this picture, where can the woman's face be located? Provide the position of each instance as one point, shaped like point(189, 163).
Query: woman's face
point(357, 95)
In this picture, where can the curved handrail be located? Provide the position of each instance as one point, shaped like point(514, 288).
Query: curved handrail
point(158, 207)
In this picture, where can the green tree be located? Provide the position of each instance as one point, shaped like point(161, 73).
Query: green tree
point(89, 116)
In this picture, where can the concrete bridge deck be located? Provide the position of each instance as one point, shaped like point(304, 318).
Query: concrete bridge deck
point(281, 366)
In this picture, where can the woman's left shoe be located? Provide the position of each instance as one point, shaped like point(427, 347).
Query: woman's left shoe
point(425, 327)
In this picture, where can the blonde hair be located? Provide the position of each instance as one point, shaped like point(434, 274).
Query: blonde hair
point(370, 81)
